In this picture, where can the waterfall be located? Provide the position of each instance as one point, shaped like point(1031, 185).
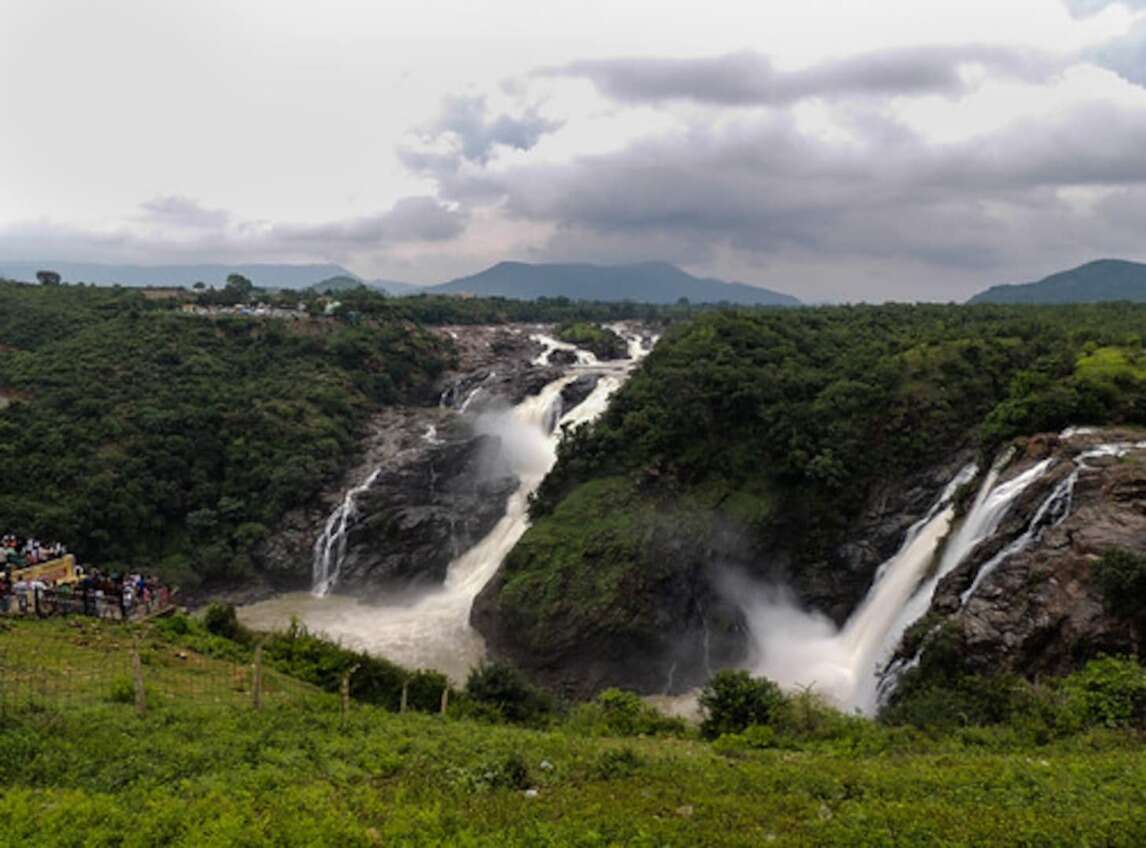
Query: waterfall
point(797, 647)
point(584, 357)
point(430, 629)
point(330, 546)
point(981, 521)
point(1055, 507)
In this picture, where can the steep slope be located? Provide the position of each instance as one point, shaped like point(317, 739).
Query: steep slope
point(1094, 282)
point(650, 282)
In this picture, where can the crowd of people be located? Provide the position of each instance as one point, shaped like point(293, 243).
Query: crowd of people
point(20, 553)
point(26, 590)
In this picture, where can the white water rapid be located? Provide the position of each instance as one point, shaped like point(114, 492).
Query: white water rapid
point(431, 629)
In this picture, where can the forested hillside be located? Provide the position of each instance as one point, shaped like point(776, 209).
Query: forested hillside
point(144, 437)
point(757, 439)
point(1094, 282)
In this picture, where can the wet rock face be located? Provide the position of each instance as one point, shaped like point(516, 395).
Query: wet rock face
point(838, 585)
point(1040, 610)
point(575, 392)
point(423, 512)
point(560, 356)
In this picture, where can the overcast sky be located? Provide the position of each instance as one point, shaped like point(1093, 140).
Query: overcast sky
point(913, 149)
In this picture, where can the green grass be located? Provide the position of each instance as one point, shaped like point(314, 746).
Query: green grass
point(296, 773)
point(1112, 363)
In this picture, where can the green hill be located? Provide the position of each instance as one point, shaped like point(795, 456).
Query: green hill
point(649, 282)
point(1094, 282)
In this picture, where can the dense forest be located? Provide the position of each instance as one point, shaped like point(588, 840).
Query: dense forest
point(143, 437)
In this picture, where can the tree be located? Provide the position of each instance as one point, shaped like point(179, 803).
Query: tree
point(734, 700)
point(199, 286)
point(48, 278)
point(239, 286)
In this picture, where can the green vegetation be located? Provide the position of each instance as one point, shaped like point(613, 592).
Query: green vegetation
point(734, 701)
point(600, 341)
point(91, 772)
point(1121, 575)
point(771, 428)
point(170, 443)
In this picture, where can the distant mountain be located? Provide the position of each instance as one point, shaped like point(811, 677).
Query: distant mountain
point(649, 282)
point(393, 287)
point(262, 275)
point(1105, 279)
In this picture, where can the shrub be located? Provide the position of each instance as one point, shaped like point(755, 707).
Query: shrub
point(316, 660)
point(505, 688)
point(1121, 577)
point(424, 690)
point(617, 763)
point(1108, 692)
point(616, 712)
point(734, 700)
point(222, 620)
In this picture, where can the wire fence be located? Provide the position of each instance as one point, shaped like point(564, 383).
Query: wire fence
point(84, 662)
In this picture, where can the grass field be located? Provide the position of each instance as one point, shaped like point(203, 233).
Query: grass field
point(89, 771)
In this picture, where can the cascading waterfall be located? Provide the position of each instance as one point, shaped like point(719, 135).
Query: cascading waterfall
point(796, 647)
point(1054, 509)
point(850, 664)
point(330, 546)
point(584, 357)
point(992, 502)
point(431, 629)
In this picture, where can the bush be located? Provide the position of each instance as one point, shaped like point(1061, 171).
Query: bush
point(316, 660)
point(222, 620)
point(1121, 577)
point(424, 690)
point(616, 712)
point(734, 700)
point(1108, 692)
point(505, 688)
point(617, 763)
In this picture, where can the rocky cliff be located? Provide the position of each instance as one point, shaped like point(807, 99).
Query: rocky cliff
point(1037, 607)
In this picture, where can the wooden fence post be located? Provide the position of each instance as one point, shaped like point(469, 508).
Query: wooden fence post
point(257, 678)
point(405, 690)
point(137, 677)
point(445, 698)
point(345, 690)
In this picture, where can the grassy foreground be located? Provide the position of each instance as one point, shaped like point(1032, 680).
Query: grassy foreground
point(92, 772)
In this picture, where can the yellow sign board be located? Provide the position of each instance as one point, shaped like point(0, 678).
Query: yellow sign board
point(59, 570)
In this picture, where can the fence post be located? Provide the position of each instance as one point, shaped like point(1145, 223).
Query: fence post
point(137, 677)
point(257, 678)
point(405, 689)
point(445, 698)
point(345, 690)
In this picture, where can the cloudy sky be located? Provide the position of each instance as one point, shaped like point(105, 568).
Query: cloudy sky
point(902, 149)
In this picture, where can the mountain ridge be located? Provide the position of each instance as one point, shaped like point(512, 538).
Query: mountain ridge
point(1092, 282)
point(646, 282)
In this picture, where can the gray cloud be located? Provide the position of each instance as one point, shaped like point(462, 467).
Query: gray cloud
point(975, 212)
point(181, 213)
point(748, 78)
point(464, 131)
point(179, 229)
point(1126, 56)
